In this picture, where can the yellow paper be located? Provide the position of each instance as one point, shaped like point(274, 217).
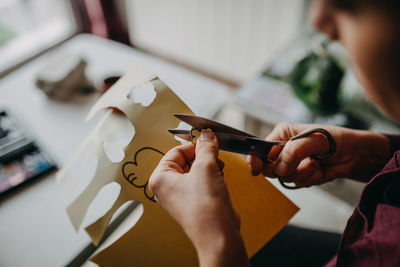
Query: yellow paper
point(157, 240)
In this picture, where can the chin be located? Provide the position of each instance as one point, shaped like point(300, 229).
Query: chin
point(387, 101)
point(394, 117)
point(389, 113)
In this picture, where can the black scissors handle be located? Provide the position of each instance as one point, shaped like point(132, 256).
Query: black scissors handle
point(332, 148)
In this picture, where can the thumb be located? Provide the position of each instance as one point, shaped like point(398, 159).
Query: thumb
point(207, 149)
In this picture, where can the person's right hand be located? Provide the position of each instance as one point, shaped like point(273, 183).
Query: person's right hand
point(359, 155)
point(189, 184)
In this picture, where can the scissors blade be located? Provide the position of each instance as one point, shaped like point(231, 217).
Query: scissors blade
point(184, 134)
point(203, 123)
point(236, 143)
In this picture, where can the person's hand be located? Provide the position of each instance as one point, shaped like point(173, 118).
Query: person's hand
point(189, 184)
point(359, 155)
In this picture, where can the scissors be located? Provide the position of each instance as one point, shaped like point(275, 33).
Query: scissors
point(233, 140)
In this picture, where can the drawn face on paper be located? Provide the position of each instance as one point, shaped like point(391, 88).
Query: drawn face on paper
point(137, 176)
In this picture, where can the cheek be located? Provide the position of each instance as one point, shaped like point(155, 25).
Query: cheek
point(372, 46)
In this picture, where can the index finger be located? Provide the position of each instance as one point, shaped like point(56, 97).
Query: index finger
point(178, 157)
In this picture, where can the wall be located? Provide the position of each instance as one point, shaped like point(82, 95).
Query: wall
point(231, 39)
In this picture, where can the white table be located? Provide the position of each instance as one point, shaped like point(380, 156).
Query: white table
point(35, 229)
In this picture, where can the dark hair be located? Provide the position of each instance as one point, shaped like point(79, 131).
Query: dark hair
point(391, 6)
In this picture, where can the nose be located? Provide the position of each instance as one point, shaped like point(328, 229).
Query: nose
point(322, 15)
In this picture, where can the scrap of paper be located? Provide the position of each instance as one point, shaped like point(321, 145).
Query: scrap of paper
point(156, 239)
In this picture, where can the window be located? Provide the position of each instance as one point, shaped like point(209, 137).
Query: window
point(27, 27)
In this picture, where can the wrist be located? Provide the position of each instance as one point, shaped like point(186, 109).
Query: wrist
point(394, 141)
point(372, 152)
point(224, 249)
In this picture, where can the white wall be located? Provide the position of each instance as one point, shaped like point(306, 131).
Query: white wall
point(232, 39)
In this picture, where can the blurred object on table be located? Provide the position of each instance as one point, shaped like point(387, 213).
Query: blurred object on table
point(21, 159)
point(272, 100)
point(63, 77)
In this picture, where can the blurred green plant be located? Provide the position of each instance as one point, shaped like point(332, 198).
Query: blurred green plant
point(316, 80)
point(6, 33)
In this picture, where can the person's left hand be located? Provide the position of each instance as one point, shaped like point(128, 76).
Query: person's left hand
point(189, 184)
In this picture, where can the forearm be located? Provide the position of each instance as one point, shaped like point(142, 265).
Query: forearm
point(371, 152)
point(197, 198)
point(225, 250)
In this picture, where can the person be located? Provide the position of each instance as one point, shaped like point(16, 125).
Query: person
point(189, 180)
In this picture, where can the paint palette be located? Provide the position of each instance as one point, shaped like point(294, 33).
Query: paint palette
point(21, 159)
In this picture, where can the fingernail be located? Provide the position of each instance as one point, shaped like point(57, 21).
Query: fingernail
point(206, 135)
point(282, 169)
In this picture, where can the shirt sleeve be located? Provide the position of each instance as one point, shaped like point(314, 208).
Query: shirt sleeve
point(394, 142)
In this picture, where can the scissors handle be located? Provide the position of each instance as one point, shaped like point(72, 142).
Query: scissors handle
point(332, 143)
point(332, 148)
